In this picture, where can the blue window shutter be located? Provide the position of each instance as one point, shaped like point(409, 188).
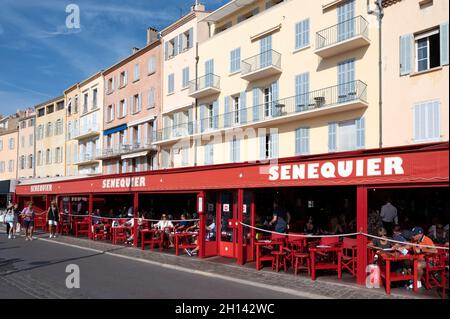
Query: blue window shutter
point(238, 150)
point(274, 141)
point(262, 147)
point(301, 92)
point(202, 118)
point(232, 151)
point(298, 28)
point(306, 32)
point(243, 108)
point(180, 43)
point(274, 96)
point(166, 50)
point(406, 42)
point(238, 57)
point(298, 141)
point(191, 38)
point(360, 133)
point(232, 53)
point(255, 104)
point(444, 43)
point(175, 46)
point(226, 104)
point(332, 127)
point(216, 114)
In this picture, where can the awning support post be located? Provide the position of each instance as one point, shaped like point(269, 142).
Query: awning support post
point(361, 226)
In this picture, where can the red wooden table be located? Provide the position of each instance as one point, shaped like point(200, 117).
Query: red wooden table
point(179, 237)
point(118, 235)
point(385, 268)
point(156, 237)
point(333, 264)
point(271, 244)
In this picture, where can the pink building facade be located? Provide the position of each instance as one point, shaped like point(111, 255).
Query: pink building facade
point(132, 104)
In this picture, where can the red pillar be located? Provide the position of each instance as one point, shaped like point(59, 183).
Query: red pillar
point(240, 229)
point(202, 223)
point(252, 231)
point(136, 217)
point(91, 210)
point(361, 226)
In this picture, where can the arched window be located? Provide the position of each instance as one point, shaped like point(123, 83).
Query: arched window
point(48, 157)
point(49, 129)
point(30, 161)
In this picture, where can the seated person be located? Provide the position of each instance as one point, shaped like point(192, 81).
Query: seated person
point(439, 236)
point(210, 235)
point(182, 225)
point(165, 224)
point(418, 237)
point(310, 227)
point(383, 243)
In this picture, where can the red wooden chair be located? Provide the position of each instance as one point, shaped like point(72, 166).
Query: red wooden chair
point(348, 260)
point(156, 238)
point(435, 270)
point(328, 241)
point(119, 235)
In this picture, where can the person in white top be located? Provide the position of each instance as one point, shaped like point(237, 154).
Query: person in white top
point(165, 224)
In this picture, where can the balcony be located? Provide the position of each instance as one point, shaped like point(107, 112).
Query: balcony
point(206, 85)
point(125, 149)
point(86, 133)
point(335, 99)
point(174, 132)
point(87, 159)
point(342, 37)
point(261, 66)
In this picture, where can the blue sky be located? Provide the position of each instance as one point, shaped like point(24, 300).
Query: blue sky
point(40, 57)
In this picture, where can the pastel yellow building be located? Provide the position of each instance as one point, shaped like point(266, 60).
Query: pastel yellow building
point(84, 112)
point(9, 135)
point(415, 72)
point(50, 138)
point(279, 79)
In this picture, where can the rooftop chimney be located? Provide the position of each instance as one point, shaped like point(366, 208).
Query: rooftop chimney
point(198, 6)
point(152, 35)
point(134, 50)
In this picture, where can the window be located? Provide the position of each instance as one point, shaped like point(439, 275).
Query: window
point(236, 107)
point(2, 167)
point(267, 101)
point(60, 106)
point(75, 105)
point(223, 27)
point(11, 143)
point(346, 135)
point(49, 131)
point(302, 34)
point(94, 98)
point(209, 154)
point(136, 72)
point(41, 112)
point(426, 121)
point(23, 124)
point(110, 113)
point(58, 155)
point(50, 109)
point(123, 108)
point(302, 141)
point(209, 116)
point(171, 83)
point(185, 82)
point(11, 166)
point(427, 51)
point(234, 150)
point(1, 145)
point(151, 98)
point(59, 127)
point(39, 158)
point(31, 123)
point(248, 15)
point(269, 146)
point(110, 86)
point(123, 78)
point(40, 132)
point(48, 157)
point(30, 161)
point(235, 60)
point(136, 106)
point(184, 156)
point(31, 140)
point(271, 3)
point(22, 163)
point(152, 65)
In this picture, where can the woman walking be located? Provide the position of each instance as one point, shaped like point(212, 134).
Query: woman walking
point(28, 221)
point(53, 219)
point(9, 220)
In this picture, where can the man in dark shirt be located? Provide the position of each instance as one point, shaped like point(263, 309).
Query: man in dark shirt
point(281, 217)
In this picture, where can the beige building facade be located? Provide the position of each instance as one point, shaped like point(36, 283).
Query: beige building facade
point(26, 145)
point(50, 138)
point(415, 72)
point(84, 126)
point(276, 81)
point(179, 42)
point(9, 136)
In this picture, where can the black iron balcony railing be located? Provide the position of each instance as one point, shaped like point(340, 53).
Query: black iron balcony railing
point(261, 61)
point(314, 100)
point(207, 81)
point(342, 31)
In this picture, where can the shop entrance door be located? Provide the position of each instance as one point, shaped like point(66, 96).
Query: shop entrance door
point(227, 224)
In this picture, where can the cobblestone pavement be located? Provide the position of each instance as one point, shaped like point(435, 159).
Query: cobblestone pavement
point(323, 287)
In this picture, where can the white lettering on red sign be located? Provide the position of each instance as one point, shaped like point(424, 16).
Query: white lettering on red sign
point(342, 169)
point(41, 188)
point(124, 182)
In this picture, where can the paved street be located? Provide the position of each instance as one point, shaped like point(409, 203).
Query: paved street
point(37, 270)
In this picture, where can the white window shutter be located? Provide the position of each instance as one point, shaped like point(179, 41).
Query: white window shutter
point(444, 43)
point(406, 50)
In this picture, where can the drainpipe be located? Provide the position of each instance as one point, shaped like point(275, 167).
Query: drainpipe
point(197, 58)
point(379, 12)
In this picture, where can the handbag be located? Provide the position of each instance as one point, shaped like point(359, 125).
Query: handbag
point(18, 228)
